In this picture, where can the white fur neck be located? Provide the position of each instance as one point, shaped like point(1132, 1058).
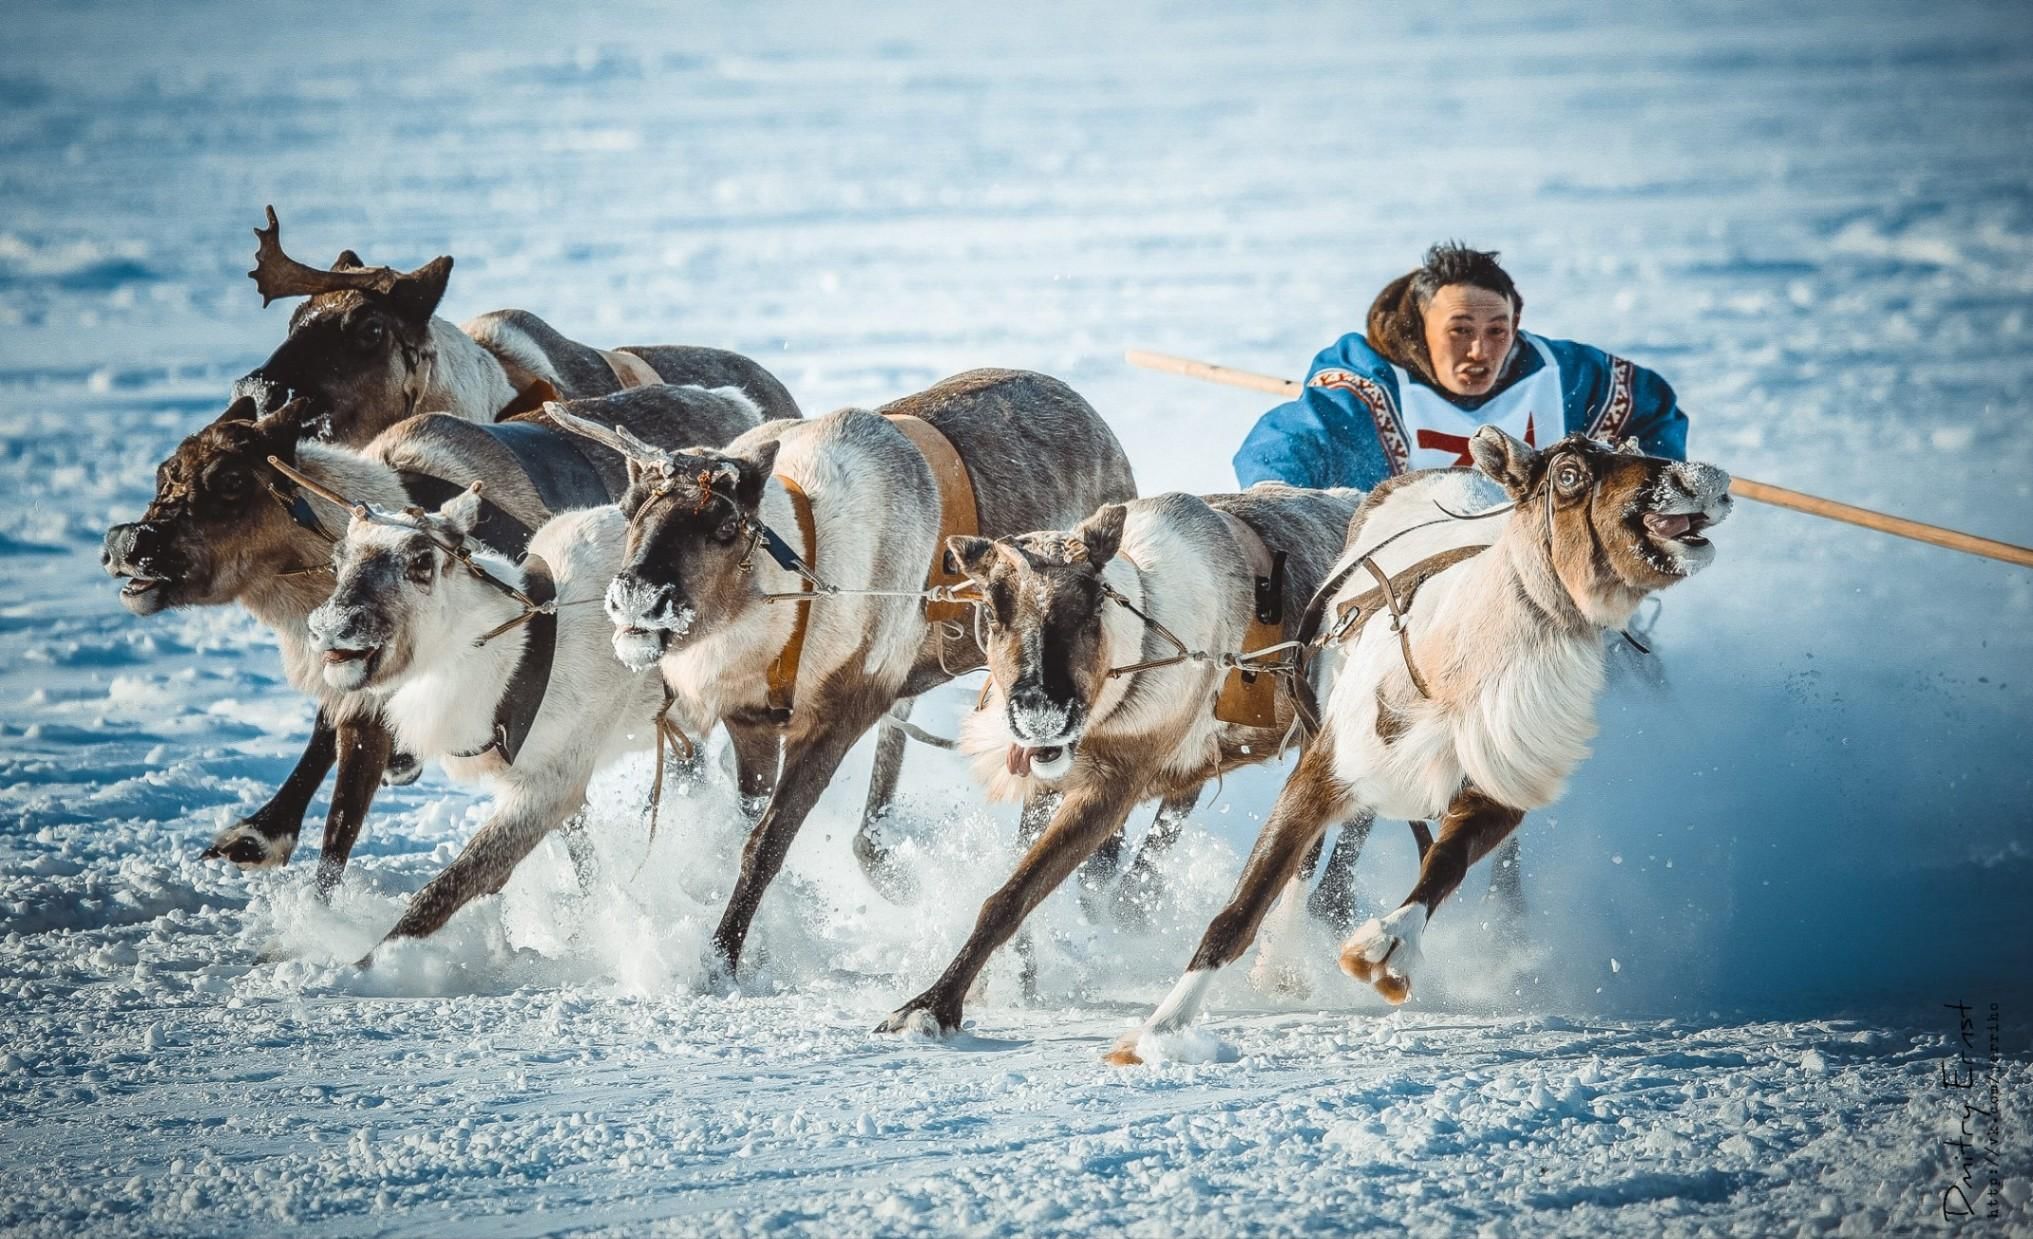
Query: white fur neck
point(444, 703)
point(460, 377)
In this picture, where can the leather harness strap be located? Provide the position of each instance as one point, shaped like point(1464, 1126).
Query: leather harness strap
point(497, 527)
point(783, 671)
point(958, 513)
point(1250, 698)
point(530, 399)
point(1394, 594)
point(523, 700)
point(629, 370)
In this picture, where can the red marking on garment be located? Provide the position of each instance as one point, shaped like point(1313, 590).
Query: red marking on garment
point(1458, 444)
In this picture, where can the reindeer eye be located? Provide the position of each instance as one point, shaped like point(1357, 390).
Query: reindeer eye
point(369, 334)
point(729, 530)
point(422, 567)
point(229, 484)
point(1567, 475)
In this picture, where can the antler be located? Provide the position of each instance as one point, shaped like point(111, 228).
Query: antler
point(276, 274)
point(620, 438)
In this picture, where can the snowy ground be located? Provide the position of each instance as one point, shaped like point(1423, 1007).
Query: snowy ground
point(1727, 1012)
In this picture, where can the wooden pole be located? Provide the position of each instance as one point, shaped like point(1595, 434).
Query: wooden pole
point(1762, 492)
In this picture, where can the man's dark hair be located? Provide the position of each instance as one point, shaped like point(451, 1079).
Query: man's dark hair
point(1451, 262)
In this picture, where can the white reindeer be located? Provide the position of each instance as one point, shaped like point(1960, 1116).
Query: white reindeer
point(1478, 702)
point(468, 672)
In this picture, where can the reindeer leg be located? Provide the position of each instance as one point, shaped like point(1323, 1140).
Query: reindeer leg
point(483, 868)
point(1084, 818)
point(1307, 802)
point(1142, 887)
point(1039, 806)
point(1384, 952)
point(364, 746)
point(1507, 882)
point(819, 739)
point(757, 747)
point(266, 837)
point(1333, 901)
point(873, 854)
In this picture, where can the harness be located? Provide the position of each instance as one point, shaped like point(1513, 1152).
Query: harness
point(958, 515)
point(523, 699)
point(782, 676)
point(1249, 698)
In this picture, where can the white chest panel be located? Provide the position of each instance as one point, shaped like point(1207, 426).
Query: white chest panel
point(1531, 411)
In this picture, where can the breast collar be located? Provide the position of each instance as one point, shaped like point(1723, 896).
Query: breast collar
point(523, 699)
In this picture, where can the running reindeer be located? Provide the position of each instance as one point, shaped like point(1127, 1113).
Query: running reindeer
point(755, 641)
point(367, 350)
point(1477, 700)
point(226, 526)
point(498, 669)
point(1104, 647)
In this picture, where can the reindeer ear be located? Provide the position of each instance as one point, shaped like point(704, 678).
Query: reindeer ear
point(755, 469)
point(971, 555)
point(416, 293)
point(1629, 446)
point(1101, 533)
point(241, 410)
point(462, 511)
point(347, 261)
point(1510, 463)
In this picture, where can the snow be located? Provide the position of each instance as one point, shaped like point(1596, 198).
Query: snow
point(1726, 1008)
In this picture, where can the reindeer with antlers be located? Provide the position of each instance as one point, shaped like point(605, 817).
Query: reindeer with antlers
point(226, 525)
point(1469, 676)
point(735, 558)
point(366, 350)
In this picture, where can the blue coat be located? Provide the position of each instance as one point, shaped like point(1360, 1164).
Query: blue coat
point(1340, 430)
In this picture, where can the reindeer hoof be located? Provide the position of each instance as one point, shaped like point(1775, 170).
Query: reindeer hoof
point(1384, 953)
point(922, 1017)
point(1123, 1054)
point(244, 845)
point(403, 769)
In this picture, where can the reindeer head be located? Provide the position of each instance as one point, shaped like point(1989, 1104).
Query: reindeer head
point(358, 350)
point(221, 520)
point(1612, 523)
point(400, 593)
point(1046, 649)
point(693, 520)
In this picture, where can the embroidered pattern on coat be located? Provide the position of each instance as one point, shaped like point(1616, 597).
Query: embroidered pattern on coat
point(1390, 433)
point(1617, 409)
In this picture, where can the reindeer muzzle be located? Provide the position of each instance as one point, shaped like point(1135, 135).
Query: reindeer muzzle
point(129, 551)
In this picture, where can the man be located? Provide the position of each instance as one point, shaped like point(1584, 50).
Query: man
point(1443, 355)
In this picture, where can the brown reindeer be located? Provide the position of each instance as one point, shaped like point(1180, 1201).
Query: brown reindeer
point(1470, 673)
point(224, 526)
point(366, 350)
point(853, 497)
point(1093, 702)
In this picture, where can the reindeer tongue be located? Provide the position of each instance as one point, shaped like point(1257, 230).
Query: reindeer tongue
point(1018, 760)
point(1668, 526)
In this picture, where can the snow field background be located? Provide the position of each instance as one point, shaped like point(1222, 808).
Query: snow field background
point(1725, 1009)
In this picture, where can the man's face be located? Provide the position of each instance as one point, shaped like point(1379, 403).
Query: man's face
point(1468, 334)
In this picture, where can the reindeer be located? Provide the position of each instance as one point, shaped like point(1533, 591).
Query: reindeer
point(366, 351)
point(853, 499)
point(1477, 700)
point(1095, 703)
point(499, 670)
point(225, 526)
